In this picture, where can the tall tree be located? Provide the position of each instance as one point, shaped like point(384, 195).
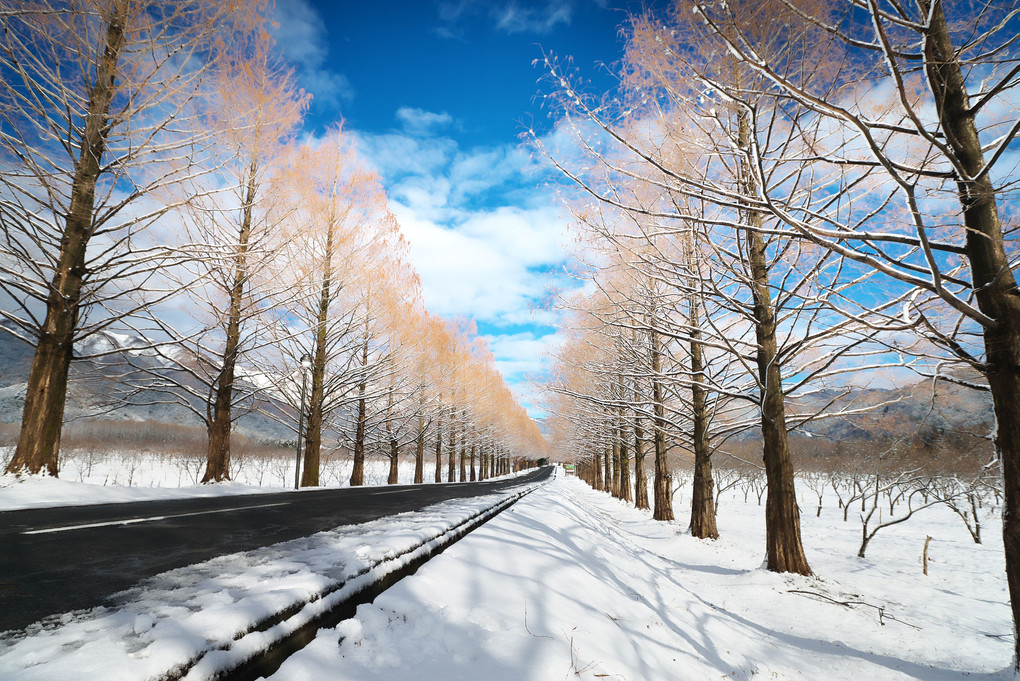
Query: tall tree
point(257, 111)
point(331, 282)
point(94, 95)
point(942, 131)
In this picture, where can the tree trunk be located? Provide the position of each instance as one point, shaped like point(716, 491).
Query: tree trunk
point(641, 478)
point(439, 446)
point(313, 432)
point(616, 490)
point(38, 446)
point(358, 467)
point(217, 460)
point(394, 477)
point(784, 551)
point(451, 458)
point(463, 448)
point(313, 427)
point(663, 485)
point(607, 463)
point(217, 467)
point(471, 464)
point(625, 487)
point(598, 472)
point(993, 282)
point(419, 453)
point(703, 523)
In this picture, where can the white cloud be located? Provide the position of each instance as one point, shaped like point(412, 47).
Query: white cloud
point(419, 122)
point(522, 359)
point(301, 36)
point(485, 267)
point(395, 155)
point(484, 233)
point(521, 354)
point(515, 18)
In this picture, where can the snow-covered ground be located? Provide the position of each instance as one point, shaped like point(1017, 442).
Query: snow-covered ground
point(572, 584)
point(204, 618)
point(124, 477)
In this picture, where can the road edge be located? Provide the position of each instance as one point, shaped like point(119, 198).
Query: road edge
point(259, 651)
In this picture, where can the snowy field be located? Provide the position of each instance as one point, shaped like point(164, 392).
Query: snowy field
point(121, 477)
point(567, 584)
point(572, 584)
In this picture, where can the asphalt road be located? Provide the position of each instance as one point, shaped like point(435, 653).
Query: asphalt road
point(54, 560)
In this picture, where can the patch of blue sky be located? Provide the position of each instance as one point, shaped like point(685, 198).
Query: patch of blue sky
point(496, 327)
point(438, 93)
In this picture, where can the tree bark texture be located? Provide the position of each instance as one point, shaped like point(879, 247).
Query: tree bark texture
point(393, 476)
point(641, 477)
point(439, 447)
point(703, 524)
point(783, 548)
point(451, 458)
point(616, 490)
point(663, 486)
point(217, 466)
point(38, 445)
point(463, 449)
point(607, 462)
point(993, 279)
point(625, 487)
point(358, 465)
point(419, 453)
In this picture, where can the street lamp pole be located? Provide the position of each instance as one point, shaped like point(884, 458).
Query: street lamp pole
point(306, 364)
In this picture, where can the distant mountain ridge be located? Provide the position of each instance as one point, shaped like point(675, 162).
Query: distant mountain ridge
point(897, 411)
point(92, 387)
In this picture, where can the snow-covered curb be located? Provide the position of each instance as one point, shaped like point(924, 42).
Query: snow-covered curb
point(204, 620)
point(219, 662)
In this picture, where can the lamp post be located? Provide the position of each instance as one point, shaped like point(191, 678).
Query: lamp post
point(306, 364)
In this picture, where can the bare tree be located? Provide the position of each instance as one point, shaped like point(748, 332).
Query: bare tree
point(940, 135)
point(92, 95)
point(233, 218)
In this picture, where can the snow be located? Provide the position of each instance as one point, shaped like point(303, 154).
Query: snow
point(148, 476)
point(211, 612)
point(571, 584)
point(43, 491)
point(567, 584)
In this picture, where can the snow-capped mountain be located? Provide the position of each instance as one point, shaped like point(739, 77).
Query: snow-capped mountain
point(96, 388)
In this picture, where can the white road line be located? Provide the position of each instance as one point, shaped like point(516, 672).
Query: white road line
point(132, 521)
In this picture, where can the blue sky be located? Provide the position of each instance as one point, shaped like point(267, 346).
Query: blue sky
point(437, 93)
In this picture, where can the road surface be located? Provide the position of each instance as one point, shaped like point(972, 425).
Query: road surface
point(54, 560)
